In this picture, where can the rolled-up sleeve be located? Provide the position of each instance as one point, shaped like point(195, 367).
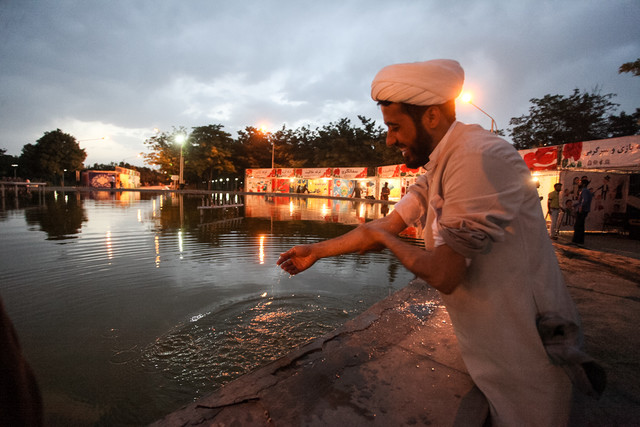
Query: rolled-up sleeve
point(479, 198)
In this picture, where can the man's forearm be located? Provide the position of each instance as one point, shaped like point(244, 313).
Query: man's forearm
point(359, 239)
point(442, 268)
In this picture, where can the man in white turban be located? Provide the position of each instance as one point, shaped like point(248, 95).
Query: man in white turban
point(487, 250)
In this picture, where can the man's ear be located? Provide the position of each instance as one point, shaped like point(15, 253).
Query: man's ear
point(431, 117)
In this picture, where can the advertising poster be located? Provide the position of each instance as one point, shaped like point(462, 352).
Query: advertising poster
point(609, 191)
point(610, 153)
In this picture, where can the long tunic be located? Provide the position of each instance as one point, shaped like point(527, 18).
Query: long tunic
point(479, 198)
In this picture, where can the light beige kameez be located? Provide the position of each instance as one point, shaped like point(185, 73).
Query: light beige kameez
point(479, 198)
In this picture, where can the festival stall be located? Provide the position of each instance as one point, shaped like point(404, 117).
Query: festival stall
point(399, 177)
point(285, 179)
point(607, 164)
point(345, 181)
point(314, 181)
point(118, 178)
point(259, 180)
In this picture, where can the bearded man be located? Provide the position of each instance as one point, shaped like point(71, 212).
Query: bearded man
point(486, 246)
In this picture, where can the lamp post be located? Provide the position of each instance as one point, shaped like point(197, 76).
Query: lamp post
point(466, 97)
point(273, 154)
point(93, 139)
point(180, 138)
point(15, 170)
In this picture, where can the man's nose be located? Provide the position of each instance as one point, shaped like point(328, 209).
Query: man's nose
point(391, 140)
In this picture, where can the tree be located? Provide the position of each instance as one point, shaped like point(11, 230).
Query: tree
point(165, 151)
point(290, 147)
point(52, 154)
point(6, 162)
point(342, 144)
point(630, 67)
point(624, 124)
point(256, 151)
point(211, 152)
point(555, 120)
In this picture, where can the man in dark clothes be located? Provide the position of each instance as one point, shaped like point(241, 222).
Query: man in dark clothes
point(20, 400)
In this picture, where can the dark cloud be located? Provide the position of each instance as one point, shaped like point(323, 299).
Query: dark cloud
point(127, 67)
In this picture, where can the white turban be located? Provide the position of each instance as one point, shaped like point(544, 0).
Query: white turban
point(419, 83)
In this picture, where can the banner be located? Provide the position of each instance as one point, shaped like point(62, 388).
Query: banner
point(307, 173)
point(396, 171)
point(541, 159)
point(350, 173)
point(261, 173)
point(606, 153)
point(286, 173)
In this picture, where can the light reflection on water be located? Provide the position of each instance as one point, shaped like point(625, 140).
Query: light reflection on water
point(129, 305)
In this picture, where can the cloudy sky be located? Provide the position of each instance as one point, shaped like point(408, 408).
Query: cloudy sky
point(121, 68)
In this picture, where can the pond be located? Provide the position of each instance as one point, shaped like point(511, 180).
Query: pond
point(129, 305)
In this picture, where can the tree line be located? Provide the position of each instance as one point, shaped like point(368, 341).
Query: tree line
point(211, 153)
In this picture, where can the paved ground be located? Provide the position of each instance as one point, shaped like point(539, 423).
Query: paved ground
point(397, 364)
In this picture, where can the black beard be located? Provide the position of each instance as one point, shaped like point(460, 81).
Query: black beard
point(423, 148)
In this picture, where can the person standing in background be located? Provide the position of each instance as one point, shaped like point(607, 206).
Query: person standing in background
point(384, 193)
point(583, 207)
point(553, 207)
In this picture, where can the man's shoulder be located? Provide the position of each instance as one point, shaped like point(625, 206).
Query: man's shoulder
point(477, 136)
point(475, 139)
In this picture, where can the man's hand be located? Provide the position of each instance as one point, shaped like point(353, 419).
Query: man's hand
point(297, 259)
point(367, 237)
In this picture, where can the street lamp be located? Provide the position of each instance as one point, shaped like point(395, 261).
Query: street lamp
point(15, 171)
point(93, 139)
point(466, 97)
point(180, 138)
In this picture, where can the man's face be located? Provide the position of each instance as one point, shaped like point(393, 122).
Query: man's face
point(409, 137)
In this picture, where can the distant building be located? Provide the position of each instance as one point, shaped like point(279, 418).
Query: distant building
point(118, 178)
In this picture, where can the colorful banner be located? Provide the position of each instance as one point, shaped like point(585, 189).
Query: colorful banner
point(623, 152)
point(307, 173)
point(286, 173)
point(541, 159)
point(261, 173)
point(350, 173)
point(396, 171)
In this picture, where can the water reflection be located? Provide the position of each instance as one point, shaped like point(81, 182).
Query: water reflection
point(61, 217)
point(160, 302)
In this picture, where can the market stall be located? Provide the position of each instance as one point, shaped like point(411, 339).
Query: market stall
point(608, 165)
point(399, 178)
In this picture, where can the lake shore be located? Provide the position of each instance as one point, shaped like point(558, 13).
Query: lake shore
point(398, 363)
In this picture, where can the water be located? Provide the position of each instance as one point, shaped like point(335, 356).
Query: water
point(130, 305)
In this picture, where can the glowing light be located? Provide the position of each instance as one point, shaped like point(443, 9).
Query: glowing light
point(180, 243)
point(139, 215)
point(291, 208)
point(261, 254)
point(109, 245)
point(466, 98)
point(157, 245)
